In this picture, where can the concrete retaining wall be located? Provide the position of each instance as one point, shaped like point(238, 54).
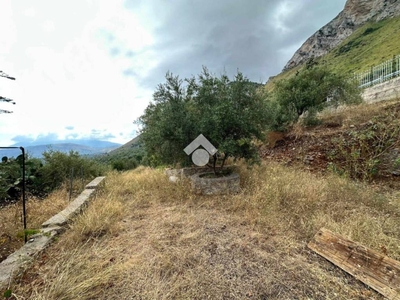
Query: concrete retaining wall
point(19, 261)
point(383, 91)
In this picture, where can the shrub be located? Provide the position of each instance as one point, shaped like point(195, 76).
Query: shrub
point(58, 168)
point(310, 91)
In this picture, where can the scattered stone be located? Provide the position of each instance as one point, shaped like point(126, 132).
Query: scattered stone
point(173, 179)
point(308, 159)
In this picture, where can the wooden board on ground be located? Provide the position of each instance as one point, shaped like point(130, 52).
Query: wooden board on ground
point(371, 267)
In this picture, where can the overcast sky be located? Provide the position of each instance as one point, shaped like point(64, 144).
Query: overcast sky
point(88, 68)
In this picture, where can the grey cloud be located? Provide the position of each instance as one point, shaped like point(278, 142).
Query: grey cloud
point(229, 35)
point(69, 127)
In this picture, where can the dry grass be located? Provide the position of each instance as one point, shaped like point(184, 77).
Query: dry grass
point(37, 211)
point(355, 114)
point(145, 238)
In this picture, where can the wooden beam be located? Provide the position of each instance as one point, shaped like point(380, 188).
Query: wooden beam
point(371, 267)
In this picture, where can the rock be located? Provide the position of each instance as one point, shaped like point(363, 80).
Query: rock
point(173, 179)
point(355, 14)
point(308, 159)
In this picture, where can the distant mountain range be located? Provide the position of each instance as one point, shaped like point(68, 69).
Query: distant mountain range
point(83, 147)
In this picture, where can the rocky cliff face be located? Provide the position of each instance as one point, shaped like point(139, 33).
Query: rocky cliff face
point(354, 14)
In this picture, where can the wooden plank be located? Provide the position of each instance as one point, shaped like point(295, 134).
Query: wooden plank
point(376, 270)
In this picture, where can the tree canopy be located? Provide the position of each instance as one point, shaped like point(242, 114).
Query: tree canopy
point(231, 114)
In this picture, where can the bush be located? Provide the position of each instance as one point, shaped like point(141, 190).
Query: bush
point(43, 176)
point(309, 92)
point(58, 168)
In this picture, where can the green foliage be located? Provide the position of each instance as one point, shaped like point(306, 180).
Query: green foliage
point(27, 233)
point(359, 153)
point(231, 114)
point(348, 46)
point(58, 168)
point(10, 176)
point(369, 30)
point(311, 90)
point(42, 176)
point(127, 157)
point(7, 294)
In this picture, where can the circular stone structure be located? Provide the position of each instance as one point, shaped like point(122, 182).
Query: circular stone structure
point(228, 184)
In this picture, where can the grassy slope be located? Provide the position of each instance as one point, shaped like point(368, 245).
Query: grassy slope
point(145, 237)
point(366, 50)
point(363, 50)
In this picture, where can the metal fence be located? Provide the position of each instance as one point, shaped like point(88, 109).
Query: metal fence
point(380, 73)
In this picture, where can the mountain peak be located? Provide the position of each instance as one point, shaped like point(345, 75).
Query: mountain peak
point(355, 14)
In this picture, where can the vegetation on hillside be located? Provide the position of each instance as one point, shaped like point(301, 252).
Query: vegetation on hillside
point(358, 142)
point(308, 92)
point(370, 45)
point(126, 157)
point(43, 176)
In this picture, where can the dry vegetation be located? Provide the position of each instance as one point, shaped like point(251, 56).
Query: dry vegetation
point(37, 211)
point(145, 238)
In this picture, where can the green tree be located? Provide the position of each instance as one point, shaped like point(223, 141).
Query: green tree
point(311, 90)
point(231, 114)
point(167, 124)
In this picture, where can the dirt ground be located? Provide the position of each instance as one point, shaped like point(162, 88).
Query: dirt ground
point(199, 253)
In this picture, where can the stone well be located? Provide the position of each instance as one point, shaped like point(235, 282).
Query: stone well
point(229, 184)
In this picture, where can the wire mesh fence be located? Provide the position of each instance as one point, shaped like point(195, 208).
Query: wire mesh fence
point(380, 73)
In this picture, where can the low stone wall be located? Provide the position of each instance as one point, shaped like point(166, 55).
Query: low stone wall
point(20, 259)
point(186, 172)
point(229, 184)
point(383, 91)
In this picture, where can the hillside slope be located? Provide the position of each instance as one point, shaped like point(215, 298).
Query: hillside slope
point(361, 142)
point(368, 46)
point(355, 14)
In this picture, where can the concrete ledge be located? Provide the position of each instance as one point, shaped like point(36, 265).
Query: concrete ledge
point(16, 262)
point(72, 209)
point(95, 183)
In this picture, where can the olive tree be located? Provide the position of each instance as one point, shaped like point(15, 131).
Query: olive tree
point(232, 114)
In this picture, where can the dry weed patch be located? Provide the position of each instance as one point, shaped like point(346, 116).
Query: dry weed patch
point(145, 238)
point(37, 211)
point(355, 114)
